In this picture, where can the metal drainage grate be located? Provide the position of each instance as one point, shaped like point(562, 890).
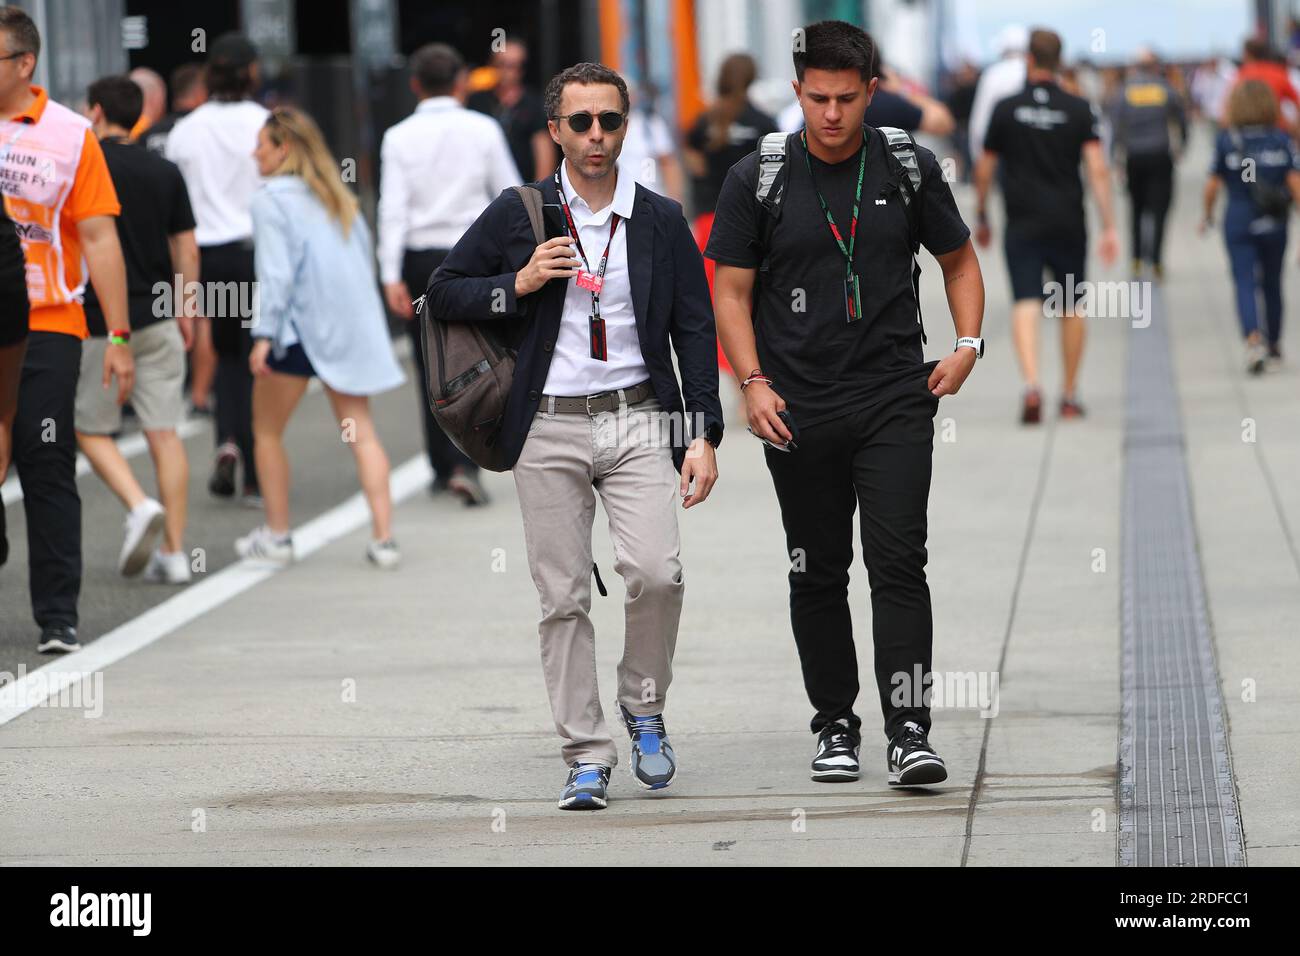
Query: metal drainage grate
point(1178, 804)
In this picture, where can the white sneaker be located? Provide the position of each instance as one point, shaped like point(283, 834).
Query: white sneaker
point(1256, 356)
point(144, 524)
point(261, 545)
point(171, 568)
point(384, 554)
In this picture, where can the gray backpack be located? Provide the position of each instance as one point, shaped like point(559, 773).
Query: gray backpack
point(471, 368)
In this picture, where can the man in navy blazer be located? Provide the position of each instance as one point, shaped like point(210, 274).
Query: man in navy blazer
point(596, 313)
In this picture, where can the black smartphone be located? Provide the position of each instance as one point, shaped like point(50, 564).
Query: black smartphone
point(553, 220)
point(793, 443)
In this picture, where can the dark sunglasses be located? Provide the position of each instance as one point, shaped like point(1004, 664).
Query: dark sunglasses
point(610, 120)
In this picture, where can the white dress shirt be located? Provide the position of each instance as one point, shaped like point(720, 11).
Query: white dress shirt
point(213, 146)
point(573, 371)
point(439, 169)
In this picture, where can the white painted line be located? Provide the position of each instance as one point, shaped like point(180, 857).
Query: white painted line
point(11, 492)
point(18, 697)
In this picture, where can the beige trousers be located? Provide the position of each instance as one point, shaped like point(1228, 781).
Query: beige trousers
point(566, 460)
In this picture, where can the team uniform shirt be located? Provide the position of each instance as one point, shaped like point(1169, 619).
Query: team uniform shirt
point(53, 176)
point(1275, 156)
point(820, 363)
point(213, 146)
point(1142, 114)
point(155, 206)
point(439, 169)
point(573, 371)
point(1039, 135)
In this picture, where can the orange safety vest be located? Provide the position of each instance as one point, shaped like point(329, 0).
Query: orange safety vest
point(52, 176)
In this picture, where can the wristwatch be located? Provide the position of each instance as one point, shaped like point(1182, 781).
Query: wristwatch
point(713, 434)
point(969, 341)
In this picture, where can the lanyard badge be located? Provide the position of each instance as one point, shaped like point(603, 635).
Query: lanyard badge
point(852, 287)
point(593, 282)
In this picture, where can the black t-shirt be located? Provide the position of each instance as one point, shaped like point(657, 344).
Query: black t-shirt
point(742, 139)
point(821, 364)
point(155, 206)
point(519, 122)
point(1039, 135)
point(891, 109)
point(155, 137)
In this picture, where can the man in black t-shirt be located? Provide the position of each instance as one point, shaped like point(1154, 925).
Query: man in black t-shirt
point(520, 111)
point(156, 231)
point(821, 324)
point(1039, 136)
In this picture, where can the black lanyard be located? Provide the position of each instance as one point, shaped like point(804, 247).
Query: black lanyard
point(595, 324)
point(852, 293)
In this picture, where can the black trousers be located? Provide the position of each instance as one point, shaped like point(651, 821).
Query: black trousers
point(232, 340)
point(876, 460)
point(1151, 190)
point(45, 458)
point(417, 266)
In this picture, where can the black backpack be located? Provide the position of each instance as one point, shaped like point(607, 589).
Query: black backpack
point(1269, 199)
point(773, 150)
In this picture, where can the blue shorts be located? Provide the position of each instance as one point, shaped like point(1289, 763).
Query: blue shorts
point(295, 362)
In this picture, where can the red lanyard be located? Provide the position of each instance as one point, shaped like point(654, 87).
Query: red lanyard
point(591, 281)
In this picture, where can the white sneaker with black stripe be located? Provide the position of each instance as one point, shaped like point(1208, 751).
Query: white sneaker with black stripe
point(837, 753)
point(912, 761)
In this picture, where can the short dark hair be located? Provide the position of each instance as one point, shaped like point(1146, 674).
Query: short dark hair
point(184, 78)
point(836, 45)
point(119, 97)
point(1045, 49)
point(435, 67)
point(230, 67)
point(587, 74)
point(23, 35)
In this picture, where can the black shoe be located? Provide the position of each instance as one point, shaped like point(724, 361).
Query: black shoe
point(58, 639)
point(912, 761)
point(222, 482)
point(837, 753)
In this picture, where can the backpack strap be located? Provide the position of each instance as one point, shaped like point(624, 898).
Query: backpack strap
point(771, 160)
point(902, 147)
point(531, 197)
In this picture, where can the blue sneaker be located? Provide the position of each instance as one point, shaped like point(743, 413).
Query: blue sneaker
point(585, 789)
point(653, 763)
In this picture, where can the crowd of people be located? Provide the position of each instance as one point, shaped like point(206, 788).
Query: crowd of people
point(124, 198)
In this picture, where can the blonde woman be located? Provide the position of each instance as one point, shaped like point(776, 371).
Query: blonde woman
point(319, 314)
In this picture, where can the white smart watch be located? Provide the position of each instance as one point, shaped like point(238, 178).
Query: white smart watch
point(970, 341)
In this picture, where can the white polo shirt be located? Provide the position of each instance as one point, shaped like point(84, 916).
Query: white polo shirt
point(573, 371)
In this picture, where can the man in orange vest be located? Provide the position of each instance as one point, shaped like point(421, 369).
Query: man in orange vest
point(58, 192)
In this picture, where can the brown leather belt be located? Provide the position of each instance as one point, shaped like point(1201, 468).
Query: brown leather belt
point(598, 403)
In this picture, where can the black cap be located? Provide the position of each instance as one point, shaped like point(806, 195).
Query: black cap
point(233, 49)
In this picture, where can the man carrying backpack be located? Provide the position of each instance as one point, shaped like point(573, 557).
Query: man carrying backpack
point(828, 349)
point(596, 312)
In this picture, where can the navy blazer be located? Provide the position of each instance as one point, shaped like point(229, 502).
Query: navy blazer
point(670, 300)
